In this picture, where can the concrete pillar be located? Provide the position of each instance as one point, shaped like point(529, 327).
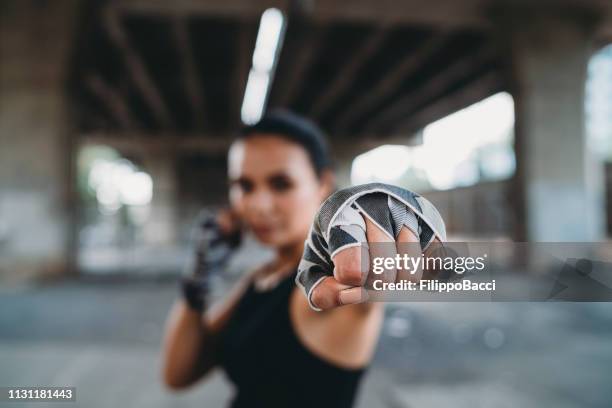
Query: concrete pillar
point(343, 154)
point(162, 225)
point(36, 218)
point(343, 173)
point(559, 180)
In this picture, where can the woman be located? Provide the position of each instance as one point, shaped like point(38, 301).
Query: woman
point(276, 345)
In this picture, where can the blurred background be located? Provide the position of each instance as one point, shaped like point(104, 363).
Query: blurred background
point(115, 118)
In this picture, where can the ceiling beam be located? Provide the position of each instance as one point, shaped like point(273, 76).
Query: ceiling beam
point(346, 75)
point(435, 13)
point(91, 118)
point(439, 13)
point(166, 142)
point(479, 89)
point(434, 86)
point(190, 76)
point(136, 68)
point(432, 13)
point(219, 8)
point(112, 100)
point(391, 81)
point(294, 76)
point(244, 53)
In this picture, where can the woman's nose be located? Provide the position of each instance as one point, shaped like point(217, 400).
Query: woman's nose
point(260, 202)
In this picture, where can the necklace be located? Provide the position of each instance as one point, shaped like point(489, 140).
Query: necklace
point(270, 280)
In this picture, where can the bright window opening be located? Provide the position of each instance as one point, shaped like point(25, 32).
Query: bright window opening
point(469, 146)
point(598, 103)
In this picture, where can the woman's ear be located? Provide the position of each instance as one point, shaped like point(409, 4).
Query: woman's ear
point(327, 181)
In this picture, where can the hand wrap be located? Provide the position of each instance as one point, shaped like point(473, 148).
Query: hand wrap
point(212, 251)
point(339, 224)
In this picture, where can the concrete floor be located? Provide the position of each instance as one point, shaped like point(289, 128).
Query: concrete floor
point(103, 338)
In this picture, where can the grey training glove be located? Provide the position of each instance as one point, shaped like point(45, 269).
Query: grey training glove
point(213, 249)
point(339, 225)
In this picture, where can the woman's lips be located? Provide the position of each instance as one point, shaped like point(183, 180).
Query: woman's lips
point(263, 229)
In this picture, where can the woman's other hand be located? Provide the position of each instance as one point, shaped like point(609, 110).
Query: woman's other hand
point(216, 236)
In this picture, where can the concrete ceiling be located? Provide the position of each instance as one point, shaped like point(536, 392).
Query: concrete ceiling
point(361, 68)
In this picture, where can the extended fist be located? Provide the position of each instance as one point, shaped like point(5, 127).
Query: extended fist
point(334, 269)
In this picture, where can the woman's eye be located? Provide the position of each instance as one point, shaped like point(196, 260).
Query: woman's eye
point(280, 184)
point(245, 185)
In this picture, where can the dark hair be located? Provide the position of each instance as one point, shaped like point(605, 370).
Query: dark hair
point(297, 129)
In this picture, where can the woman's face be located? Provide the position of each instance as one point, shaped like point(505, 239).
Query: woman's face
point(274, 188)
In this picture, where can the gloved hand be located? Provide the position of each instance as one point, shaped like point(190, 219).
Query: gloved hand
point(216, 236)
point(351, 218)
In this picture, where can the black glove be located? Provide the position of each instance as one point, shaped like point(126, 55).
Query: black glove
point(213, 247)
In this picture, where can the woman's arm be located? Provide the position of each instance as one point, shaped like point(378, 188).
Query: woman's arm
point(340, 325)
point(190, 343)
point(345, 336)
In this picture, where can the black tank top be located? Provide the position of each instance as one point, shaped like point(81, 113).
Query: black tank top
point(270, 367)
